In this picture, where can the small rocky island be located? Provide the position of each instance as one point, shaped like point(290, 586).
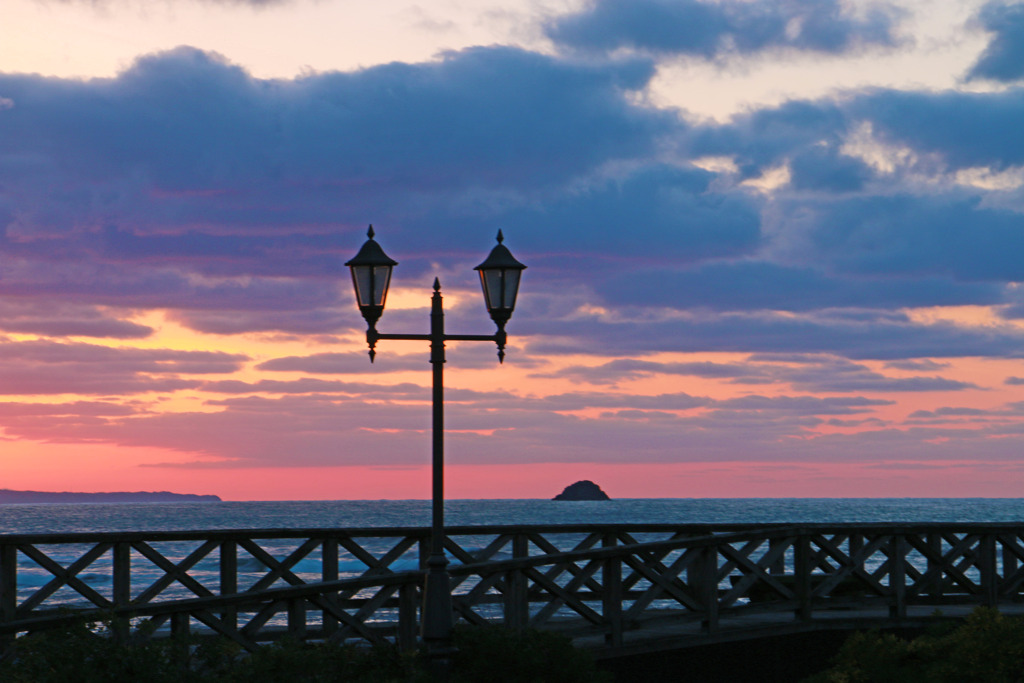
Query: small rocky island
point(582, 490)
point(7, 496)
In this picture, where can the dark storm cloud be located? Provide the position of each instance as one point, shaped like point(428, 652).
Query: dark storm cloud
point(1003, 58)
point(711, 29)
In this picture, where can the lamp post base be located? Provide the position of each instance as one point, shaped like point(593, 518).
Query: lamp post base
point(437, 603)
point(438, 617)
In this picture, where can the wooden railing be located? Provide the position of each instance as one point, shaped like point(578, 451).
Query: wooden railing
point(609, 582)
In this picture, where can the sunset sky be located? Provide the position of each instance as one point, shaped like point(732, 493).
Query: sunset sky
point(774, 248)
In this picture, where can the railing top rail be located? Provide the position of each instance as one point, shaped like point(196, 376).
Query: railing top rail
point(693, 529)
point(329, 532)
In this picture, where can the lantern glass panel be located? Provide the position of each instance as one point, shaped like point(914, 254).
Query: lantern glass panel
point(362, 280)
point(492, 282)
point(510, 287)
point(371, 283)
point(381, 281)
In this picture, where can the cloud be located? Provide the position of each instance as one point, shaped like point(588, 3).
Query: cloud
point(312, 385)
point(803, 404)
point(932, 237)
point(185, 183)
point(709, 30)
point(184, 137)
point(946, 412)
point(920, 365)
point(809, 373)
point(964, 129)
point(257, 4)
point(1003, 58)
point(298, 429)
point(61, 319)
point(356, 362)
point(757, 284)
point(232, 201)
point(658, 213)
point(880, 337)
point(45, 367)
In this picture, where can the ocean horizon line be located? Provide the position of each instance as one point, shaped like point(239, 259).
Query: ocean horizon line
point(452, 500)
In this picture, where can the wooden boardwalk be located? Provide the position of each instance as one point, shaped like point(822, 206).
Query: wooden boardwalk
point(614, 588)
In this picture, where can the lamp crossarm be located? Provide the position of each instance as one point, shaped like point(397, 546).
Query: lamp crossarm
point(426, 337)
point(397, 337)
point(474, 337)
point(500, 338)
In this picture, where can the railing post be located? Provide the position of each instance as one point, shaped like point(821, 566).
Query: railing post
point(229, 580)
point(424, 552)
point(934, 542)
point(1010, 562)
point(855, 543)
point(802, 574)
point(297, 618)
point(517, 598)
point(329, 572)
point(611, 606)
point(708, 587)
point(8, 589)
point(778, 566)
point(180, 625)
point(988, 575)
point(898, 576)
point(122, 587)
point(408, 618)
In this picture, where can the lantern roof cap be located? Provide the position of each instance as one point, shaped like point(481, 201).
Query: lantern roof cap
point(371, 254)
point(500, 257)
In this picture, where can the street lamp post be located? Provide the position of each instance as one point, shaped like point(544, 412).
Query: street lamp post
point(499, 276)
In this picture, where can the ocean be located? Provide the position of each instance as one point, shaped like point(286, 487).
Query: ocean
point(98, 517)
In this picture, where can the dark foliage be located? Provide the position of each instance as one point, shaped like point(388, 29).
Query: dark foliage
point(987, 648)
point(87, 653)
point(497, 655)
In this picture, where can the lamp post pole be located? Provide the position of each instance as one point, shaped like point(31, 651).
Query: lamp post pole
point(499, 276)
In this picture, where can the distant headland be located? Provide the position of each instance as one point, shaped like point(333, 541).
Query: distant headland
point(8, 496)
point(582, 490)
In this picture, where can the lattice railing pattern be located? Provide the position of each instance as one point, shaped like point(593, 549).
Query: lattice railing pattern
point(610, 580)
